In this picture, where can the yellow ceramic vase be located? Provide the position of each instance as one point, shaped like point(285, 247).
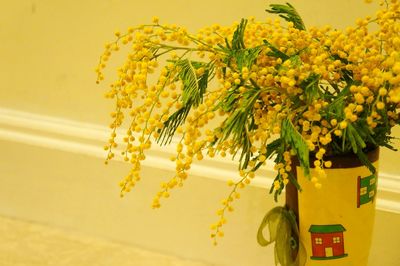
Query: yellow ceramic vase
point(336, 221)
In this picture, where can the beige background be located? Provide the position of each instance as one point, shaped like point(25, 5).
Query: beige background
point(48, 52)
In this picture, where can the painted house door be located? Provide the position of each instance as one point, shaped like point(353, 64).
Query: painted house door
point(329, 252)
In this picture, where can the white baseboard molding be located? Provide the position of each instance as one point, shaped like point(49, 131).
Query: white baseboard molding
point(88, 139)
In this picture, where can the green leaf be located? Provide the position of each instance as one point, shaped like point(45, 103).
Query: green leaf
point(238, 36)
point(352, 140)
point(227, 44)
point(246, 57)
point(293, 180)
point(238, 124)
point(360, 142)
point(171, 124)
point(289, 13)
point(237, 49)
point(192, 95)
point(275, 52)
point(272, 148)
point(229, 102)
point(246, 153)
point(364, 159)
point(344, 140)
point(365, 132)
point(337, 106)
point(356, 141)
point(310, 88)
point(390, 147)
point(295, 60)
point(347, 75)
point(187, 75)
point(297, 142)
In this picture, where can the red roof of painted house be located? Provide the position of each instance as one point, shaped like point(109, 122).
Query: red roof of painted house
point(327, 228)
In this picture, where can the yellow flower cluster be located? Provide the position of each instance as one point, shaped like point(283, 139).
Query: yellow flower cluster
point(334, 86)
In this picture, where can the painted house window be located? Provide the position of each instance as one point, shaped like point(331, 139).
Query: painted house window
point(336, 239)
point(372, 181)
point(318, 241)
point(363, 191)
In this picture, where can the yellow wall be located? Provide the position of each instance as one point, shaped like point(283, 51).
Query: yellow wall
point(48, 52)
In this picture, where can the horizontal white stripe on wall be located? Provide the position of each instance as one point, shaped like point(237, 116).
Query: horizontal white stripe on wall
point(88, 139)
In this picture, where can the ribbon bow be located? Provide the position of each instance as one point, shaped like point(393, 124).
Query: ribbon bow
point(282, 227)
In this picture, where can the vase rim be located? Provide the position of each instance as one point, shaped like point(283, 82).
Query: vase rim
point(348, 160)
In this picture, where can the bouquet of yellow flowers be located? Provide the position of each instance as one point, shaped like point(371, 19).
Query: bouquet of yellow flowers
point(253, 91)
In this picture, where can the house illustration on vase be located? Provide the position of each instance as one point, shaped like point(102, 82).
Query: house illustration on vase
point(327, 241)
point(366, 189)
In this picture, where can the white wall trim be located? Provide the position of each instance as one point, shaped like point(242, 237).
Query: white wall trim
point(88, 139)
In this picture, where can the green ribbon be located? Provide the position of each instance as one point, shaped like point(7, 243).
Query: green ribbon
point(283, 230)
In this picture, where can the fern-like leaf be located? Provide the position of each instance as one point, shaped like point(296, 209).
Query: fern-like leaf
point(238, 36)
point(246, 57)
point(289, 13)
point(192, 95)
point(297, 142)
point(275, 52)
point(190, 83)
